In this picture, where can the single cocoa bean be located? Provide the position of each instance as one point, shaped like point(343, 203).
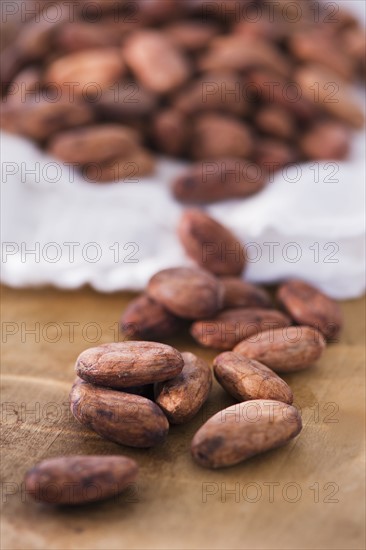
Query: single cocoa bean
point(191, 35)
point(124, 364)
point(246, 379)
point(215, 136)
point(229, 327)
point(170, 132)
point(79, 35)
point(144, 318)
point(96, 144)
point(25, 85)
point(338, 101)
point(239, 52)
point(271, 88)
point(210, 244)
point(156, 63)
point(190, 293)
point(126, 102)
point(126, 169)
point(327, 140)
point(73, 480)
point(86, 70)
point(211, 181)
point(39, 119)
point(316, 46)
point(124, 418)
point(275, 121)
point(182, 397)
point(309, 306)
point(284, 350)
point(231, 435)
point(273, 154)
point(239, 293)
point(209, 92)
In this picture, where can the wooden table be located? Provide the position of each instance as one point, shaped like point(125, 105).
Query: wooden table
point(307, 495)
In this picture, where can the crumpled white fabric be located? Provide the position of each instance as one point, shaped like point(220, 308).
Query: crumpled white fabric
point(115, 236)
point(308, 223)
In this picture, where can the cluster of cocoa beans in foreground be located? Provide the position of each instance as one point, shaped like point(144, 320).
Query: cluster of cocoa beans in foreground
point(103, 84)
point(130, 392)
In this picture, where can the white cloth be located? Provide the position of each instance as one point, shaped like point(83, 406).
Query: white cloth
point(308, 223)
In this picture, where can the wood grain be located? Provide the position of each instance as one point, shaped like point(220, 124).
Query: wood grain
point(176, 504)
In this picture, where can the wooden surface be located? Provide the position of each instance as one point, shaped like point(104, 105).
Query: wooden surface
point(307, 495)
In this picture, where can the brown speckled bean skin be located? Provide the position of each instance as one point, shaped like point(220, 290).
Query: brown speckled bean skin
point(247, 379)
point(181, 397)
point(284, 350)
point(124, 418)
point(309, 306)
point(125, 364)
point(75, 480)
point(244, 430)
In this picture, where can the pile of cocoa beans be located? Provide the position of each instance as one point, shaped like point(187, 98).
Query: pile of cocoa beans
point(103, 84)
point(129, 392)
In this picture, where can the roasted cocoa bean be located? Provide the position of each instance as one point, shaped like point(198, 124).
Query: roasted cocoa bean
point(182, 397)
point(124, 364)
point(247, 379)
point(244, 430)
point(210, 244)
point(229, 327)
point(124, 418)
point(190, 293)
point(73, 480)
point(309, 306)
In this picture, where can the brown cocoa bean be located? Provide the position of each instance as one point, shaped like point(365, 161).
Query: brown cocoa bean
point(239, 52)
point(73, 480)
point(211, 181)
point(210, 244)
point(79, 35)
point(210, 92)
point(125, 364)
point(156, 63)
point(272, 89)
point(275, 121)
point(126, 102)
point(121, 417)
point(86, 70)
point(144, 318)
point(187, 292)
point(191, 35)
point(215, 136)
point(229, 327)
point(239, 293)
point(284, 350)
point(95, 144)
point(246, 379)
point(309, 306)
point(316, 46)
point(336, 100)
point(127, 169)
point(39, 119)
point(244, 430)
point(170, 132)
point(273, 154)
point(182, 397)
point(25, 85)
point(327, 140)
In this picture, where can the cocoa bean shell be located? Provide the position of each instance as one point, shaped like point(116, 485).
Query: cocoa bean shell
point(126, 364)
point(182, 397)
point(74, 480)
point(124, 418)
point(244, 430)
point(247, 379)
